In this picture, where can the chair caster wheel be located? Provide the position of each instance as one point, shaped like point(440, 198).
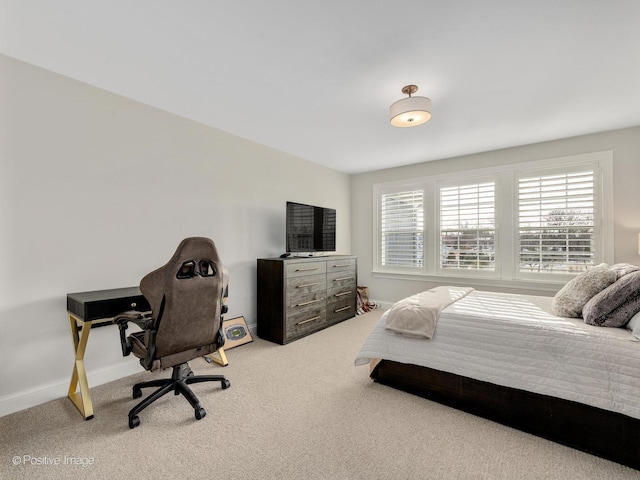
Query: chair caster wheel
point(200, 413)
point(137, 392)
point(226, 384)
point(134, 421)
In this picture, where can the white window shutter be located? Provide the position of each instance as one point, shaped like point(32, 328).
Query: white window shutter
point(467, 227)
point(556, 222)
point(402, 228)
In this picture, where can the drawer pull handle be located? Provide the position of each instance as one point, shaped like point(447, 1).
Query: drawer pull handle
point(341, 294)
point(308, 320)
point(306, 269)
point(341, 279)
point(308, 285)
point(341, 265)
point(342, 309)
point(309, 302)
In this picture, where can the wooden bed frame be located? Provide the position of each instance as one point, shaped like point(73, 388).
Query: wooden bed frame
point(600, 432)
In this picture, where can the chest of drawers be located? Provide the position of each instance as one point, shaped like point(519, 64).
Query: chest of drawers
point(301, 295)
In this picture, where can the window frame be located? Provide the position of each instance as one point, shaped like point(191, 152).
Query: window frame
point(506, 176)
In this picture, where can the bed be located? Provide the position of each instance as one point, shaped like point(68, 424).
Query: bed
point(507, 358)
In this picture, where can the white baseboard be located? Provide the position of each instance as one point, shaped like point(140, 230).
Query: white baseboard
point(45, 393)
point(253, 330)
point(52, 391)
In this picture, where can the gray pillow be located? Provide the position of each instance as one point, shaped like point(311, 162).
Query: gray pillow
point(623, 269)
point(615, 305)
point(568, 302)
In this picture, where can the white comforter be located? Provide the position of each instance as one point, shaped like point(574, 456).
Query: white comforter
point(513, 340)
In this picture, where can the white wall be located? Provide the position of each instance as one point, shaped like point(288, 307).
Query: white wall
point(97, 190)
point(625, 145)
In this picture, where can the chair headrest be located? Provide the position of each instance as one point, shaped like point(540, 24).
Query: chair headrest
point(195, 256)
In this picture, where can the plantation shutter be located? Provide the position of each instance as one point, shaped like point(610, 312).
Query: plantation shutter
point(467, 226)
point(556, 222)
point(402, 228)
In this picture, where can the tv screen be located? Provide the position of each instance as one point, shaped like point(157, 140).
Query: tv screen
point(310, 229)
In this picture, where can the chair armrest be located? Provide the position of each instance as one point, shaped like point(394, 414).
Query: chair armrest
point(143, 320)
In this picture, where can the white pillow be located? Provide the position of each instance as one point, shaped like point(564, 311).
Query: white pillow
point(569, 301)
point(634, 327)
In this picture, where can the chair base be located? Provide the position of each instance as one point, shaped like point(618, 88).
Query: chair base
point(181, 377)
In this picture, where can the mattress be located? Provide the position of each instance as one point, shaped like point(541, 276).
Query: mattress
point(512, 340)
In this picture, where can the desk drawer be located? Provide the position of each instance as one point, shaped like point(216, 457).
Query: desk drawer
point(341, 303)
point(305, 268)
point(338, 294)
point(341, 279)
point(295, 303)
point(106, 303)
point(339, 265)
point(304, 320)
point(305, 285)
point(341, 310)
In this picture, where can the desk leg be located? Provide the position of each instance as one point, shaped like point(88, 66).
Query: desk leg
point(220, 361)
point(81, 399)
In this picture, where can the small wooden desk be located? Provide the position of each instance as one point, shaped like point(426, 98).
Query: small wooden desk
point(96, 309)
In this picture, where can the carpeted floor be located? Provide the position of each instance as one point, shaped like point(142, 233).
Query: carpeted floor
point(300, 411)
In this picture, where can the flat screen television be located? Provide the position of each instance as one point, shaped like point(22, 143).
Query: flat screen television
point(310, 228)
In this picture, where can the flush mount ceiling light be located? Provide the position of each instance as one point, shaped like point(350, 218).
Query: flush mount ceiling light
point(412, 111)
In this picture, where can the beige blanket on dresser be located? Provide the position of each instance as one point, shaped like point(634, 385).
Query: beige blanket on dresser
point(416, 316)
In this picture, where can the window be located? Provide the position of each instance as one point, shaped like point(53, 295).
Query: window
point(556, 227)
point(467, 226)
point(402, 229)
point(512, 225)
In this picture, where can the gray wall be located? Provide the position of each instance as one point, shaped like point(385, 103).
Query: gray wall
point(97, 190)
point(625, 145)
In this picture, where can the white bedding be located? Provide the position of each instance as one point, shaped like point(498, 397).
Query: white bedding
point(513, 340)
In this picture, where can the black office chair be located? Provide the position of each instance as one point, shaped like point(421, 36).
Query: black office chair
point(187, 298)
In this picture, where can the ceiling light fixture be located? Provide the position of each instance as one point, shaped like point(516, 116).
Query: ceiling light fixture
point(412, 111)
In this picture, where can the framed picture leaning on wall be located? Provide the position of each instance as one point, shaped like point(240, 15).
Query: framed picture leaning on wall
point(235, 332)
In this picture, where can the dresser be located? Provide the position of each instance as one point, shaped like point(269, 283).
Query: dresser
point(298, 296)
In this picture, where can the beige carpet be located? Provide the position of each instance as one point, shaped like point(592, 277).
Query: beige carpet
point(300, 411)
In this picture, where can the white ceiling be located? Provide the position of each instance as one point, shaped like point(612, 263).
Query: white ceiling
point(315, 79)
